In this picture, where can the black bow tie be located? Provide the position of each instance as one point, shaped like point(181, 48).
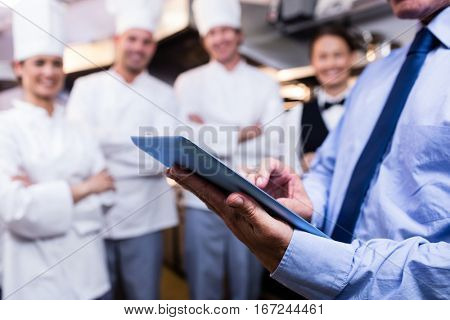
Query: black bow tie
point(328, 105)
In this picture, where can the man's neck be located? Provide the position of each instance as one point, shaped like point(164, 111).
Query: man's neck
point(337, 90)
point(232, 63)
point(46, 104)
point(128, 76)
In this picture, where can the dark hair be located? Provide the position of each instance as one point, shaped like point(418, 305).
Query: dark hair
point(337, 31)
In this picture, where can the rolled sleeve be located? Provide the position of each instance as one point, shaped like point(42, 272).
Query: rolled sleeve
point(315, 267)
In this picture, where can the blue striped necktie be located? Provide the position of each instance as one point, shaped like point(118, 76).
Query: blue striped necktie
point(381, 135)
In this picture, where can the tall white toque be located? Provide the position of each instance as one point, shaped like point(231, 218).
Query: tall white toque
point(216, 13)
point(136, 14)
point(38, 28)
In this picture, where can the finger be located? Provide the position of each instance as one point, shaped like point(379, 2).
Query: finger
point(248, 209)
point(182, 176)
point(252, 177)
point(300, 208)
point(293, 188)
point(26, 182)
point(264, 173)
point(111, 183)
point(296, 188)
point(176, 172)
point(246, 170)
point(235, 200)
point(211, 195)
point(269, 167)
point(188, 180)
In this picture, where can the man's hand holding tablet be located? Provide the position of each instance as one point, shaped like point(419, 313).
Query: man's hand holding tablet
point(267, 237)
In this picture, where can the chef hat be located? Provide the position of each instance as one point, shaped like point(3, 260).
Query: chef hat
point(38, 29)
point(214, 13)
point(140, 14)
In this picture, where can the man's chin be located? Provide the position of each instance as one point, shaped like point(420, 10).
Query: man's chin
point(46, 95)
point(411, 10)
point(407, 14)
point(135, 69)
point(225, 59)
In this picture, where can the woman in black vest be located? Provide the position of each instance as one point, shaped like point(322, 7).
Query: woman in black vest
point(332, 54)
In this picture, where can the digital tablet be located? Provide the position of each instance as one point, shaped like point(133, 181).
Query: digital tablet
point(177, 150)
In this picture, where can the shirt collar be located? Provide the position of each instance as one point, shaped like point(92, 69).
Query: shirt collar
point(136, 80)
point(440, 26)
point(36, 111)
point(217, 65)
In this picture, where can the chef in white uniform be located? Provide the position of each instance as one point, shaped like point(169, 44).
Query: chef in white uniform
point(117, 104)
point(52, 175)
point(226, 102)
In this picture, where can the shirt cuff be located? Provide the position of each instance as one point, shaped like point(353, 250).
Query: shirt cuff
point(315, 267)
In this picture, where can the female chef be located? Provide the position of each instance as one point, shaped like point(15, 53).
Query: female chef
point(52, 176)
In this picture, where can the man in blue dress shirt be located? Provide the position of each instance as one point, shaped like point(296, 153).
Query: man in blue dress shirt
point(390, 159)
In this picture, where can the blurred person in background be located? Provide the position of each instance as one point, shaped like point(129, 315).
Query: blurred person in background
point(52, 175)
point(224, 94)
point(332, 55)
point(117, 104)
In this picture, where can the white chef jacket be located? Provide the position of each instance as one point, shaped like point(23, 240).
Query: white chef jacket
point(116, 111)
point(229, 100)
point(45, 253)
